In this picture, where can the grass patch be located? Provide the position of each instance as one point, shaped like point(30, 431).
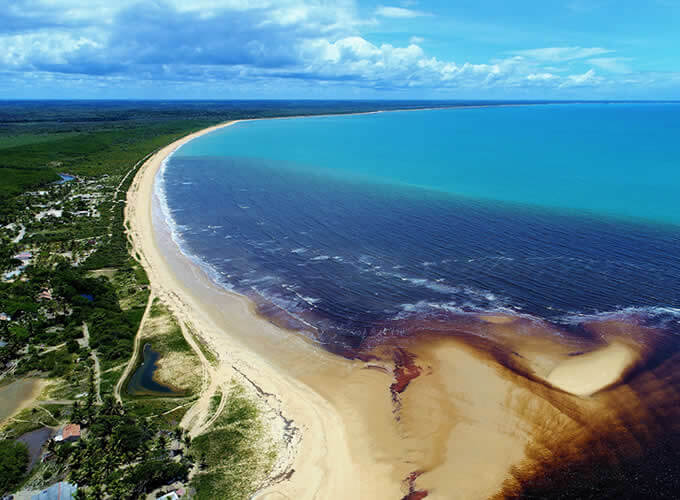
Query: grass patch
point(27, 420)
point(214, 403)
point(234, 456)
point(109, 380)
point(205, 349)
point(165, 413)
point(107, 272)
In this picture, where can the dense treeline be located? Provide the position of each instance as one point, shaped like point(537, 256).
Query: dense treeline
point(77, 298)
point(122, 456)
point(94, 301)
point(13, 463)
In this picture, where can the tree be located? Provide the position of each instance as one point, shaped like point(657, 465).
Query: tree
point(72, 346)
point(13, 463)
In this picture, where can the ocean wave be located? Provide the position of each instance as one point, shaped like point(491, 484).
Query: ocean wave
point(175, 230)
point(660, 316)
point(424, 307)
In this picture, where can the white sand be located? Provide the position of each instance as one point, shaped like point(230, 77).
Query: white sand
point(591, 372)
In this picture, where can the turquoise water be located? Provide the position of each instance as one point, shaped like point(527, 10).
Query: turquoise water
point(614, 159)
point(325, 218)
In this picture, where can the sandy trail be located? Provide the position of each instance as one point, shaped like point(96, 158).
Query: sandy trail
point(197, 414)
point(97, 366)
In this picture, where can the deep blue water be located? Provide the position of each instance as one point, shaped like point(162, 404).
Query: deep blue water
point(554, 211)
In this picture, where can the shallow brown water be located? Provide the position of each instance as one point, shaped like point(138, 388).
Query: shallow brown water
point(15, 395)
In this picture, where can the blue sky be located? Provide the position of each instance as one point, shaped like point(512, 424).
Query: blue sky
point(231, 49)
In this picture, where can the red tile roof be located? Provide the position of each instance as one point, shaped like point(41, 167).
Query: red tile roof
point(71, 430)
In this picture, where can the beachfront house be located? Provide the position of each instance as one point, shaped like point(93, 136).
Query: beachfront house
point(69, 433)
point(170, 496)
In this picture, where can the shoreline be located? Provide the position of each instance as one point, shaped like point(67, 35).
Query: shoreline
point(312, 415)
point(459, 419)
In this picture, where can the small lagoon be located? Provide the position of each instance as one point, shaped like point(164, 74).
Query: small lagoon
point(142, 382)
point(64, 178)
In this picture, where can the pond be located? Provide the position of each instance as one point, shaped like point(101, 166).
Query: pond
point(142, 383)
point(17, 395)
point(34, 441)
point(64, 178)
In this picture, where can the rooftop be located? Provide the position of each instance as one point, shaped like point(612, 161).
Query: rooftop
point(58, 491)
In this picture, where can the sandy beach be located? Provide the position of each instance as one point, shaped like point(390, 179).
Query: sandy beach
point(461, 411)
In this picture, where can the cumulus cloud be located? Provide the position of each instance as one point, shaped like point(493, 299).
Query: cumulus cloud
point(258, 42)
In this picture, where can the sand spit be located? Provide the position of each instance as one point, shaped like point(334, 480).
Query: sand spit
point(466, 407)
point(590, 373)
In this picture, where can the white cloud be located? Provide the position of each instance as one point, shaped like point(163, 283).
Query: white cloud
point(540, 77)
point(612, 64)
point(586, 79)
point(561, 54)
point(399, 12)
point(270, 42)
point(47, 47)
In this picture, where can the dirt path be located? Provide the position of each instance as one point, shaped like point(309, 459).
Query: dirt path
point(198, 413)
point(114, 368)
point(135, 351)
point(97, 367)
point(58, 401)
point(50, 349)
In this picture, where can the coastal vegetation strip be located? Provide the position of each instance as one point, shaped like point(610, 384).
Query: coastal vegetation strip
point(235, 456)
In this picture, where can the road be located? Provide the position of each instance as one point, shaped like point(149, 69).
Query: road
point(97, 366)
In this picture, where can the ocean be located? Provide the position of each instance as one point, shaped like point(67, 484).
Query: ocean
point(348, 225)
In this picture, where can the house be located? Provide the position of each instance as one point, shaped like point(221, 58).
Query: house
point(70, 433)
point(170, 496)
point(58, 491)
point(45, 295)
point(24, 257)
point(5, 317)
